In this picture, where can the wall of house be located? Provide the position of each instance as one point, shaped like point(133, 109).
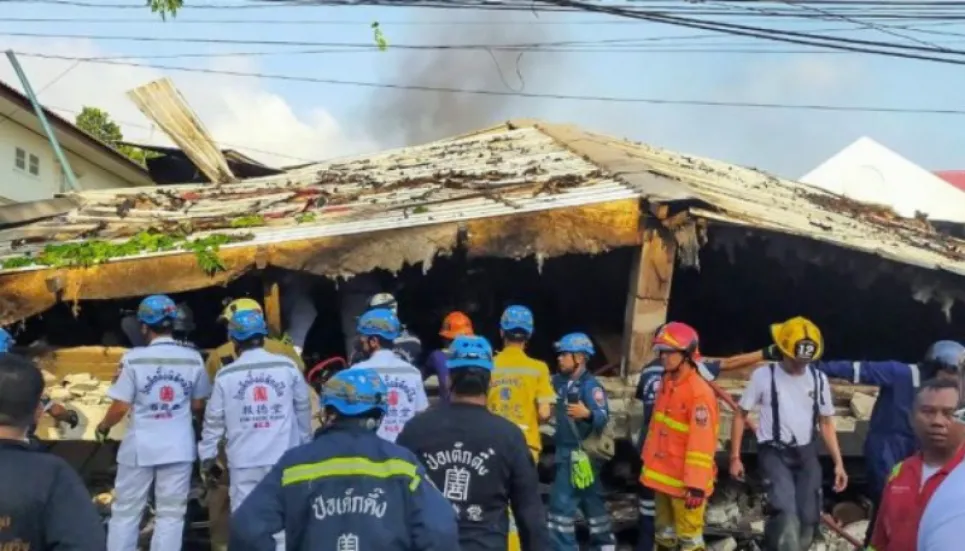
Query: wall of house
point(20, 184)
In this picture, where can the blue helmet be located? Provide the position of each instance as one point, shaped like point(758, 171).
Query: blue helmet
point(380, 322)
point(156, 309)
point(355, 391)
point(6, 341)
point(517, 318)
point(574, 343)
point(247, 324)
point(470, 351)
point(946, 356)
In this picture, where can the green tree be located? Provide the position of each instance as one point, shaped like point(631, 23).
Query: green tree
point(98, 123)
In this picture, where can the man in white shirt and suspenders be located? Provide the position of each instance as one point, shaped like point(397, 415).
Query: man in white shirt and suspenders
point(377, 330)
point(794, 401)
point(160, 385)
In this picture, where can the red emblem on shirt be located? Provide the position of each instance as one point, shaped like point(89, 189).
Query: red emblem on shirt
point(167, 393)
point(701, 415)
point(393, 397)
point(260, 394)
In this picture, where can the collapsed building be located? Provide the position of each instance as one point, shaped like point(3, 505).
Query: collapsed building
point(594, 233)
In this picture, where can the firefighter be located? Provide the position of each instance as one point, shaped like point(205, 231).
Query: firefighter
point(160, 385)
point(348, 490)
point(498, 471)
point(377, 330)
point(407, 346)
point(913, 481)
point(581, 410)
point(259, 405)
point(453, 325)
point(521, 390)
point(890, 436)
point(218, 498)
point(794, 402)
point(678, 455)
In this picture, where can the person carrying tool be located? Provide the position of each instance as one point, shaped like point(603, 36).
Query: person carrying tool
point(480, 460)
point(890, 436)
point(521, 390)
point(913, 481)
point(678, 454)
point(647, 389)
point(43, 502)
point(794, 402)
point(407, 346)
point(453, 325)
point(348, 489)
point(218, 496)
point(259, 405)
point(377, 330)
point(159, 385)
point(581, 413)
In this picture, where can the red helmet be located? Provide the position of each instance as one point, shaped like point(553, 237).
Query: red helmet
point(678, 337)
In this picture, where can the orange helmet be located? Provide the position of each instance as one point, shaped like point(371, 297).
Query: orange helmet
point(678, 337)
point(455, 324)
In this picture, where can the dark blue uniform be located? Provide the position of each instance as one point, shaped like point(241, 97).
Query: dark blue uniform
point(647, 389)
point(890, 438)
point(348, 490)
point(564, 498)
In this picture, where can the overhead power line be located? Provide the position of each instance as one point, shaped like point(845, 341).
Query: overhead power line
point(532, 95)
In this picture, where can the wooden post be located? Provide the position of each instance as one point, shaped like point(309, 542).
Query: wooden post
point(649, 292)
point(273, 307)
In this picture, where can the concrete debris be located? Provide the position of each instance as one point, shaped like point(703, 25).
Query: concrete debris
point(726, 544)
point(834, 542)
point(87, 395)
point(861, 405)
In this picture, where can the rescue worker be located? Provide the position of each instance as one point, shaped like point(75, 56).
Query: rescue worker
point(678, 454)
point(914, 480)
point(581, 410)
point(890, 437)
point(521, 390)
point(377, 330)
point(218, 495)
point(940, 528)
point(453, 325)
point(259, 404)
point(44, 505)
point(647, 389)
point(348, 490)
point(794, 403)
point(407, 346)
point(183, 326)
point(480, 460)
point(159, 386)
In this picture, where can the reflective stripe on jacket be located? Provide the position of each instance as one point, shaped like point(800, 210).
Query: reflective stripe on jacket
point(682, 438)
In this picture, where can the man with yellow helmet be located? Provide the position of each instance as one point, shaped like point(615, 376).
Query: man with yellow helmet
point(793, 399)
point(890, 436)
point(218, 507)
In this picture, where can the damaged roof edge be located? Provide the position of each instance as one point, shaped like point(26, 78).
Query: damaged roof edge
point(588, 229)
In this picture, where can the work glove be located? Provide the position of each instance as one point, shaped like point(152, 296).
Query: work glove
point(694, 498)
point(71, 418)
point(581, 471)
point(100, 433)
point(772, 353)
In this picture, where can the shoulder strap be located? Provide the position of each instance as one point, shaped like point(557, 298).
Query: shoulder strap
point(775, 410)
point(818, 395)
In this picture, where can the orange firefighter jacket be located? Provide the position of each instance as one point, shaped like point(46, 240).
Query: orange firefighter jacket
point(682, 439)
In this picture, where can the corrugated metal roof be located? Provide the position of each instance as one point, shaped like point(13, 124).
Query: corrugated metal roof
point(497, 173)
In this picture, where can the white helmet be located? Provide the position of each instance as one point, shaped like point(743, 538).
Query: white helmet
point(384, 300)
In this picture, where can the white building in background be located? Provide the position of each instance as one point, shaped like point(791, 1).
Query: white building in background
point(29, 170)
point(870, 172)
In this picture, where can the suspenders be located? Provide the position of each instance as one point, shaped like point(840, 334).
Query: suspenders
point(776, 414)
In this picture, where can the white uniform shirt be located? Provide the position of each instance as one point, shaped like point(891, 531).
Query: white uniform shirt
point(260, 404)
point(795, 402)
point(407, 394)
point(941, 524)
point(159, 381)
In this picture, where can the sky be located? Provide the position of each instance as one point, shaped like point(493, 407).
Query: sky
point(286, 122)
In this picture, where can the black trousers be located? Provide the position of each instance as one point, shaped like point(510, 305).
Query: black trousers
point(792, 479)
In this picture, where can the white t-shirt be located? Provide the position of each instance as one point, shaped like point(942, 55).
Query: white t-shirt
point(795, 399)
point(941, 524)
point(927, 471)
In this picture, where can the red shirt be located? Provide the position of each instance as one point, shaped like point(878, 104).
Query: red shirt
point(903, 502)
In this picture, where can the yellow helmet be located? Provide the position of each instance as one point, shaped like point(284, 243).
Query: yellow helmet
point(239, 305)
point(798, 338)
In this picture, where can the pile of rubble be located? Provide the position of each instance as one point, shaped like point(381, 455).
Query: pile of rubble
point(85, 394)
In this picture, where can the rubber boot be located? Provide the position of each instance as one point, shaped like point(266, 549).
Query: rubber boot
point(782, 533)
point(807, 536)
